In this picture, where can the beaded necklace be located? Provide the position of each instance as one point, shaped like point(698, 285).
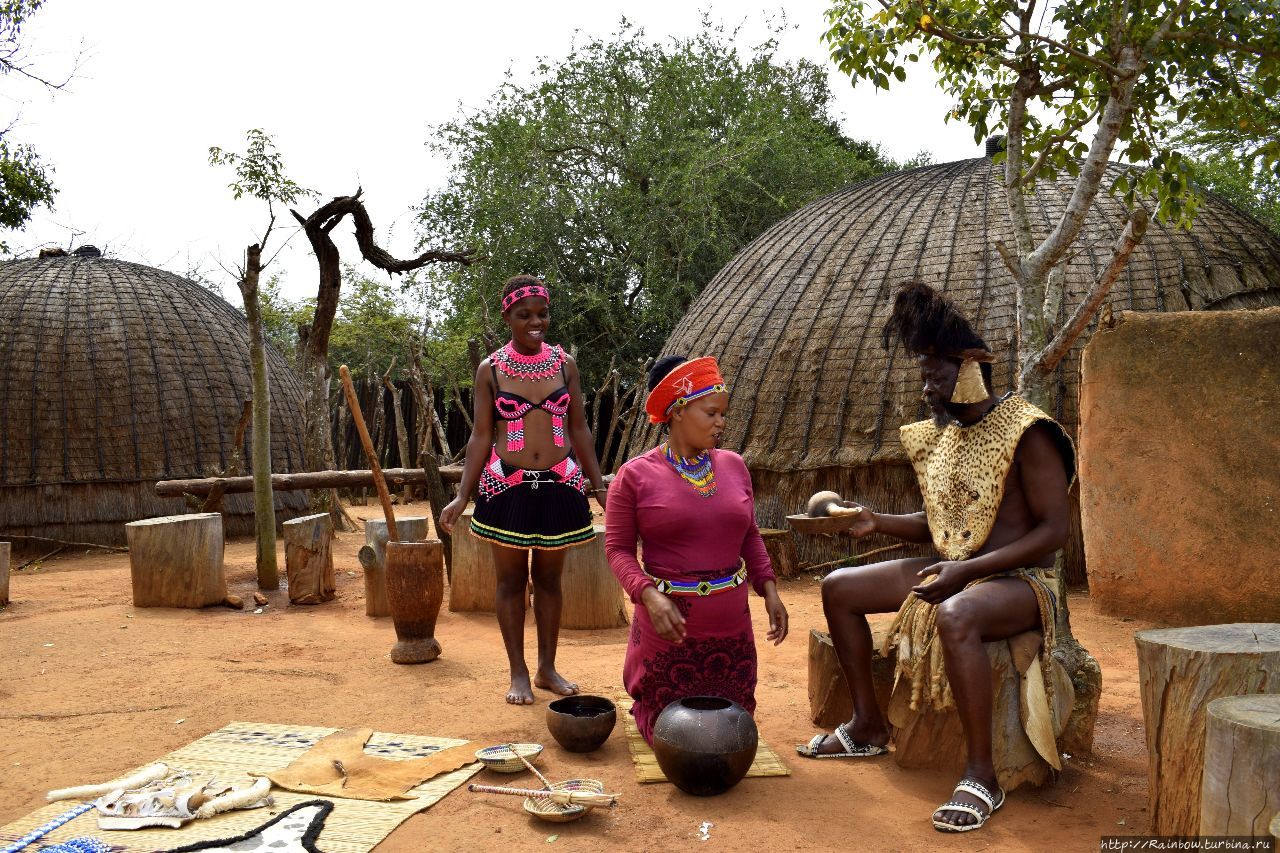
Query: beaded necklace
point(529, 368)
point(697, 472)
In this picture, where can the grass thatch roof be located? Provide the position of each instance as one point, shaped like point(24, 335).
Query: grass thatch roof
point(795, 318)
point(117, 373)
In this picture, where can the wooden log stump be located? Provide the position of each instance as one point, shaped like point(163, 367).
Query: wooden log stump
point(782, 551)
point(473, 583)
point(4, 574)
point(932, 740)
point(373, 558)
point(592, 596)
point(415, 590)
point(829, 700)
point(1240, 789)
point(176, 560)
point(308, 558)
point(1180, 671)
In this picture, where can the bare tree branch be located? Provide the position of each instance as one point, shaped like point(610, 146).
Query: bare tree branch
point(1047, 359)
point(1010, 261)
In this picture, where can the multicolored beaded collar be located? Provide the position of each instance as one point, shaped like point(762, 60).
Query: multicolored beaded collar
point(528, 368)
point(697, 472)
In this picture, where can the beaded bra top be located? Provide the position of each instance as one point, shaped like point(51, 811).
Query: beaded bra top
point(512, 407)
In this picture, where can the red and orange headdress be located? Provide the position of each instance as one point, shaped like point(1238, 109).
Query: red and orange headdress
point(687, 382)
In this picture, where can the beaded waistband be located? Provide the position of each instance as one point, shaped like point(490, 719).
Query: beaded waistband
point(707, 587)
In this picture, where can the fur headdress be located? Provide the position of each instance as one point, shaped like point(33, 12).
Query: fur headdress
point(925, 322)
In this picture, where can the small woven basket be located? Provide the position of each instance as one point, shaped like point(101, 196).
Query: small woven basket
point(562, 812)
point(501, 758)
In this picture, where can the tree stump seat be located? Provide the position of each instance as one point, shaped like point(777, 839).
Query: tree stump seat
point(1180, 672)
point(928, 739)
point(308, 555)
point(1241, 785)
point(782, 551)
point(176, 560)
point(473, 586)
point(592, 596)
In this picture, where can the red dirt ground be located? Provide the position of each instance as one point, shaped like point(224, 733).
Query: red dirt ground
point(94, 687)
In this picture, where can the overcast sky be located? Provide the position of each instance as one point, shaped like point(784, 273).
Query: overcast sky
point(349, 91)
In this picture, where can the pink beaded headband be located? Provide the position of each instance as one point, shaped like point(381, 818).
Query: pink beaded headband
point(521, 292)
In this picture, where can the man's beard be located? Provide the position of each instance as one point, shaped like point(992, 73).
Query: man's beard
point(941, 418)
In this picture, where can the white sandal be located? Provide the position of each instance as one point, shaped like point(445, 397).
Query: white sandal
point(851, 749)
point(977, 789)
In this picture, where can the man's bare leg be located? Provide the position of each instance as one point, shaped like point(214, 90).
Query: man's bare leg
point(994, 610)
point(547, 602)
point(512, 565)
point(848, 595)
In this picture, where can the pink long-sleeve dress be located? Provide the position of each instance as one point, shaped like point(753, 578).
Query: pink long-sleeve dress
point(687, 537)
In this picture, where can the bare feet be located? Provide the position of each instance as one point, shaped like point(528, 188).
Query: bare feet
point(555, 682)
point(520, 693)
point(860, 734)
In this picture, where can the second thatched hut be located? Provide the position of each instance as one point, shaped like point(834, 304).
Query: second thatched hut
point(795, 320)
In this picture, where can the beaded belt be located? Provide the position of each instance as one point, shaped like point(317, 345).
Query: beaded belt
point(710, 587)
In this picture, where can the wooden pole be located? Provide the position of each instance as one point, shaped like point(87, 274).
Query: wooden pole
point(4, 574)
point(202, 486)
point(383, 494)
point(1180, 671)
point(402, 433)
point(354, 479)
point(264, 507)
point(438, 498)
point(1241, 784)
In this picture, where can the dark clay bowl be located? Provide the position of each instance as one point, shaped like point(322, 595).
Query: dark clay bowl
point(581, 723)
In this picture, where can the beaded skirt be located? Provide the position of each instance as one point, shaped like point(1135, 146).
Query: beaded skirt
point(520, 508)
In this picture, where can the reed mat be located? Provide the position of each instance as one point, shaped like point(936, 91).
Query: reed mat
point(354, 826)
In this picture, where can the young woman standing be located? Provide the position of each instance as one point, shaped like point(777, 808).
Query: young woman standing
point(529, 461)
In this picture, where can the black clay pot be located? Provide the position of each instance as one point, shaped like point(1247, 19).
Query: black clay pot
point(581, 723)
point(704, 744)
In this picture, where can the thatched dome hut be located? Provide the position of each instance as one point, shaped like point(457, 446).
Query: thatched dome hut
point(795, 320)
point(114, 375)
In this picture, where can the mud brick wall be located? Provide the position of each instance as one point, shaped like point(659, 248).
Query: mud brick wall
point(1180, 466)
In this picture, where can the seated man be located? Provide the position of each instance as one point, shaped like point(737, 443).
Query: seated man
point(994, 474)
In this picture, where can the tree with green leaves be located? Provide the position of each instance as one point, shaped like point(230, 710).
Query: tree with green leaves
point(372, 326)
point(628, 173)
point(25, 180)
point(1071, 83)
point(1248, 186)
point(1238, 156)
point(259, 174)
